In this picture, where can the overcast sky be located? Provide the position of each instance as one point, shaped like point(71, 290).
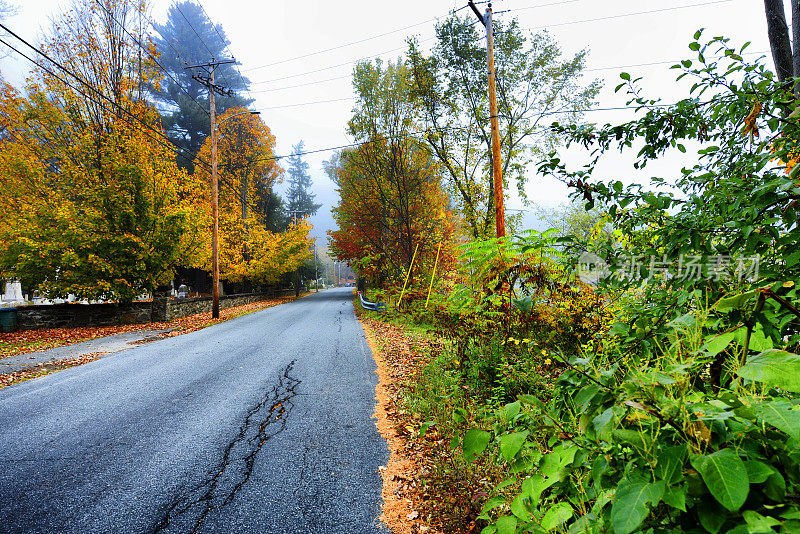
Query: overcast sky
point(299, 54)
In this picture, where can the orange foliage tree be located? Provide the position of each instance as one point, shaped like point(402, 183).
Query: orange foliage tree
point(391, 202)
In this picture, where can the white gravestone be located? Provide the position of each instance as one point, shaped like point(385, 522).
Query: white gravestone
point(13, 292)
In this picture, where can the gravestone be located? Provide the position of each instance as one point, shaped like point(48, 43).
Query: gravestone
point(13, 292)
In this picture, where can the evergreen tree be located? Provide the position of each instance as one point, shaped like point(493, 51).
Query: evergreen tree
point(299, 197)
point(271, 210)
point(189, 37)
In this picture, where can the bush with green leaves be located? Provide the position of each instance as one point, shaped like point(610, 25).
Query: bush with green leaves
point(685, 415)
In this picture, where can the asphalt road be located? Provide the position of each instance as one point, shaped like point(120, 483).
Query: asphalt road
point(258, 424)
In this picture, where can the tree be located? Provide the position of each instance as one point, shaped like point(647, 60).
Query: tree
point(534, 84)
point(189, 37)
point(94, 216)
point(7, 9)
point(300, 199)
point(249, 250)
point(271, 209)
point(787, 61)
point(391, 201)
point(91, 40)
point(102, 211)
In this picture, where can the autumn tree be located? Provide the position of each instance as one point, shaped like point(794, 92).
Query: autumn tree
point(98, 42)
point(390, 196)
point(99, 217)
point(189, 37)
point(100, 209)
point(250, 252)
point(534, 84)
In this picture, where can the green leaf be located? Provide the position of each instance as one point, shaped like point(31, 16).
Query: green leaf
point(519, 510)
point(630, 506)
point(759, 524)
point(669, 463)
point(625, 76)
point(711, 515)
point(734, 302)
point(492, 503)
point(675, 496)
point(757, 472)
point(510, 410)
point(491, 529)
point(779, 413)
point(725, 476)
point(556, 515)
point(774, 367)
point(510, 444)
point(475, 441)
point(759, 341)
point(694, 46)
point(633, 437)
point(507, 525)
point(604, 423)
point(716, 344)
point(775, 487)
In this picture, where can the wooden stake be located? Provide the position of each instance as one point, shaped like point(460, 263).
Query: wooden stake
point(407, 275)
point(435, 264)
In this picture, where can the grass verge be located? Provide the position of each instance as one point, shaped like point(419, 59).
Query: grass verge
point(422, 410)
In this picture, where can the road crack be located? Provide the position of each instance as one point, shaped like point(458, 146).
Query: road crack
point(268, 418)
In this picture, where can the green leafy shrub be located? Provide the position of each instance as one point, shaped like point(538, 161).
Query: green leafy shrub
point(685, 416)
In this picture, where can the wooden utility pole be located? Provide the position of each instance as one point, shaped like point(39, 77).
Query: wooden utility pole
point(316, 274)
point(497, 170)
point(213, 88)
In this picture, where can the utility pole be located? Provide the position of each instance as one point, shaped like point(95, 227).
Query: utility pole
point(213, 88)
point(497, 171)
point(297, 272)
point(316, 274)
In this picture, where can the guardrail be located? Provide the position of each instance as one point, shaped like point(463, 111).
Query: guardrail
point(379, 307)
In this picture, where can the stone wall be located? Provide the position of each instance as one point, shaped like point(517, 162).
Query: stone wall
point(178, 308)
point(160, 310)
point(71, 315)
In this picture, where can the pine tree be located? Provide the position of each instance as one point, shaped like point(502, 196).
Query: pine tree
point(189, 37)
point(300, 200)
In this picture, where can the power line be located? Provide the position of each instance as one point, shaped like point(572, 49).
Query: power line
point(141, 46)
point(622, 15)
point(302, 84)
point(178, 7)
point(345, 45)
point(222, 40)
point(353, 62)
point(309, 103)
point(425, 132)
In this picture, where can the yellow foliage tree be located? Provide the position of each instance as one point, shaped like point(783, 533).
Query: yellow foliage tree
point(98, 212)
point(245, 159)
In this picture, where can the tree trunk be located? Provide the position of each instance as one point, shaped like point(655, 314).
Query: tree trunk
point(796, 39)
point(778, 33)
